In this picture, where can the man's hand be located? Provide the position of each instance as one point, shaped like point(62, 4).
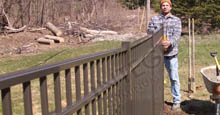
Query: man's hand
point(166, 43)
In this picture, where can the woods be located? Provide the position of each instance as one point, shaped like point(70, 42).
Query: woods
point(205, 12)
point(36, 13)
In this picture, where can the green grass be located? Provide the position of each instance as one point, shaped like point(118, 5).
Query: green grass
point(11, 63)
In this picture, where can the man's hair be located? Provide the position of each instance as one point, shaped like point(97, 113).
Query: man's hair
point(168, 1)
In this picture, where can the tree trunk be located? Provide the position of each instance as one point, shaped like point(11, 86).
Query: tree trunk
point(1, 6)
point(148, 13)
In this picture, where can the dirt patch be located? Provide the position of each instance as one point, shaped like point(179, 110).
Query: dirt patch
point(24, 43)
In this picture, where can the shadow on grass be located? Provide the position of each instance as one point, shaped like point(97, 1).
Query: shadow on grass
point(197, 107)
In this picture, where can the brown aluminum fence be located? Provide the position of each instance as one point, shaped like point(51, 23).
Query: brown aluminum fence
point(123, 81)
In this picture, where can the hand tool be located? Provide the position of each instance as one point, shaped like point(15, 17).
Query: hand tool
point(214, 55)
point(164, 38)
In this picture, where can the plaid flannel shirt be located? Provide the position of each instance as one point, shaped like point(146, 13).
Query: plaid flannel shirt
point(172, 29)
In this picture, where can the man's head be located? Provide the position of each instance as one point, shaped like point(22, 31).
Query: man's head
point(165, 6)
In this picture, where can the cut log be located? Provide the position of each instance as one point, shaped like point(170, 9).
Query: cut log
point(109, 32)
point(35, 29)
point(45, 41)
point(89, 31)
point(54, 29)
point(55, 38)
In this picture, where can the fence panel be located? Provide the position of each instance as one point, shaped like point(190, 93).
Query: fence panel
point(123, 81)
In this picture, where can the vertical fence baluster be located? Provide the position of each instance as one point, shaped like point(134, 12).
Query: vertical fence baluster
point(57, 93)
point(68, 87)
point(6, 101)
point(138, 50)
point(78, 87)
point(44, 95)
point(113, 87)
point(133, 59)
point(121, 84)
point(27, 98)
point(124, 88)
point(104, 81)
point(110, 88)
point(116, 65)
point(86, 86)
point(136, 53)
point(133, 85)
point(117, 85)
point(143, 46)
point(99, 83)
point(92, 75)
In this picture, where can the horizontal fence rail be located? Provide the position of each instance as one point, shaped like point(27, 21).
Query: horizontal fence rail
point(122, 81)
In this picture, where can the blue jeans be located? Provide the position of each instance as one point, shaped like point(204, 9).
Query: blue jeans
point(172, 69)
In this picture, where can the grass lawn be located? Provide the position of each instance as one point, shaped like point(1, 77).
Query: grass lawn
point(14, 63)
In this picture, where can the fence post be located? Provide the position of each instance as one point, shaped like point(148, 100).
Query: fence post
point(191, 78)
point(193, 57)
point(190, 60)
point(128, 95)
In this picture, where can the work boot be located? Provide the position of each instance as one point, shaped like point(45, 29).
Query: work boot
point(175, 106)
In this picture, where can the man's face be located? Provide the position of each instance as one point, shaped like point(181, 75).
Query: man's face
point(166, 8)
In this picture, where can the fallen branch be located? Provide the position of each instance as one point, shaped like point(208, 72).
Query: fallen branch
point(35, 29)
point(14, 30)
point(89, 31)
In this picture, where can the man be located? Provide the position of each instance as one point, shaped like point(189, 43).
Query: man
point(172, 31)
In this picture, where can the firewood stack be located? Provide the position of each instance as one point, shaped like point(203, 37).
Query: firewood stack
point(51, 39)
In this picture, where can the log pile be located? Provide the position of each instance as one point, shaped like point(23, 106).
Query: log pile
point(76, 33)
point(51, 39)
point(83, 33)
